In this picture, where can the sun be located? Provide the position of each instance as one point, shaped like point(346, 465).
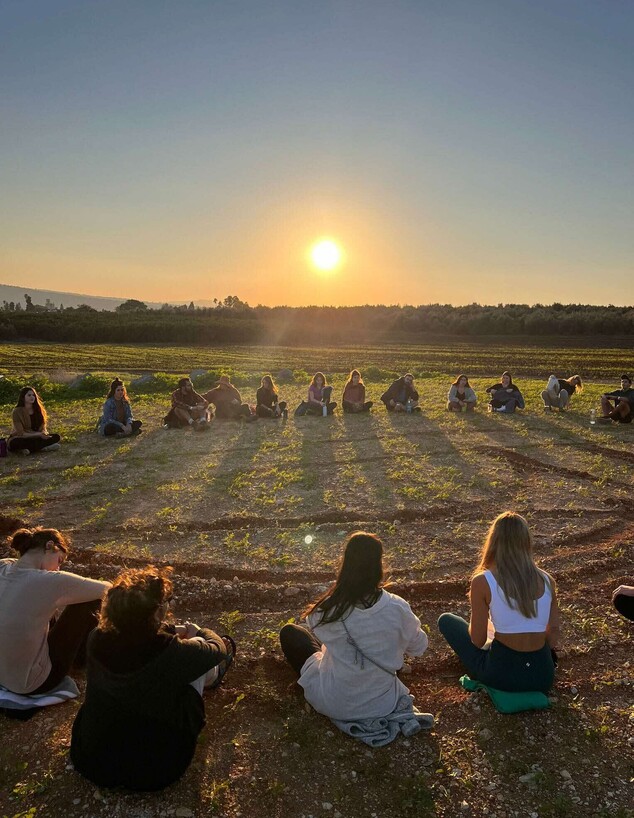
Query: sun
point(325, 255)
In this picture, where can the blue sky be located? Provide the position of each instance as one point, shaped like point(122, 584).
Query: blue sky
point(457, 151)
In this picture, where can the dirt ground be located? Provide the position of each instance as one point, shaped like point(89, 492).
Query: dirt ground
point(252, 518)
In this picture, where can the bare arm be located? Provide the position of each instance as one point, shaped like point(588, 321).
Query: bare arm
point(479, 610)
point(553, 629)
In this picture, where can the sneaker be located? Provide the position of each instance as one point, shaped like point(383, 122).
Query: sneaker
point(25, 452)
point(501, 409)
point(52, 448)
point(548, 408)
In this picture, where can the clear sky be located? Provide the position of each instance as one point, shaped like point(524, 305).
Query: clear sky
point(457, 150)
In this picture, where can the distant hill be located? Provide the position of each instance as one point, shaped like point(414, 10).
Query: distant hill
point(9, 292)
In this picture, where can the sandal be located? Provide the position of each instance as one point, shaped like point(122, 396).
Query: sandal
point(224, 666)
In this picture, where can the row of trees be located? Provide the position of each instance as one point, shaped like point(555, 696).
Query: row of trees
point(232, 320)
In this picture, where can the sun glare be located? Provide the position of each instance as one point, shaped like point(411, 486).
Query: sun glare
point(325, 255)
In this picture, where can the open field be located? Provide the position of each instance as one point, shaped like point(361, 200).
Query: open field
point(231, 509)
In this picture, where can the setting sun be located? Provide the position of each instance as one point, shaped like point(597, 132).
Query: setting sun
point(325, 254)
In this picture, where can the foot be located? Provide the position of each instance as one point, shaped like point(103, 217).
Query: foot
point(52, 448)
point(25, 452)
point(547, 409)
point(604, 419)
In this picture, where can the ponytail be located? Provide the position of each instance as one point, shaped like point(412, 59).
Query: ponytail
point(26, 539)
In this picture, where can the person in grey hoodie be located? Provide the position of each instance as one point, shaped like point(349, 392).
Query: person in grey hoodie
point(461, 397)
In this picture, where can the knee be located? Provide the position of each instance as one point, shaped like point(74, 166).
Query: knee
point(444, 621)
point(286, 634)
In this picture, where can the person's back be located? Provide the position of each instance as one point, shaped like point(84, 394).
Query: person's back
point(340, 681)
point(512, 628)
point(141, 717)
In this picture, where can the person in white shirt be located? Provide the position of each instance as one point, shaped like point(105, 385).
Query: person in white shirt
point(359, 633)
point(519, 599)
point(37, 650)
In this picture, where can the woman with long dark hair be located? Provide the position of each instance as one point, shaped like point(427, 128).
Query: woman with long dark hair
point(508, 588)
point(116, 418)
point(461, 397)
point(29, 433)
point(267, 402)
point(505, 395)
point(319, 393)
point(36, 650)
point(354, 394)
point(359, 633)
point(145, 679)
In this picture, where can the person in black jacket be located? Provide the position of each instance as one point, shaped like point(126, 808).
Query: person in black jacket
point(505, 396)
point(401, 395)
point(267, 400)
point(144, 709)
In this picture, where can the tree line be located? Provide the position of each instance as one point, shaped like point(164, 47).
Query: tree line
point(232, 320)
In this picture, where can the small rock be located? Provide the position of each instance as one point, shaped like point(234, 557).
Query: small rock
point(464, 806)
point(574, 690)
point(183, 812)
point(76, 801)
point(565, 774)
point(485, 734)
point(291, 591)
point(326, 805)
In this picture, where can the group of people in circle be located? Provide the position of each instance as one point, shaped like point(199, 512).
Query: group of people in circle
point(190, 409)
point(146, 673)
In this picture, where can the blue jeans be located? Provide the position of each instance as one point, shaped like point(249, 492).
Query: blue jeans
point(499, 667)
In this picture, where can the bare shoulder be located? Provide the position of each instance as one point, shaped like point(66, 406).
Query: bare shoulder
point(480, 586)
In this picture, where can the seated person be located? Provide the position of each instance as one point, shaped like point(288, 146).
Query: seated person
point(188, 408)
point(319, 393)
point(144, 706)
point(559, 390)
point(226, 398)
point(359, 634)
point(623, 601)
point(116, 416)
point(401, 395)
point(618, 405)
point(29, 433)
point(519, 599)
point(461, 397)
point(267, 400)
point(38, 650)
point(354, 395)
point(505, 396)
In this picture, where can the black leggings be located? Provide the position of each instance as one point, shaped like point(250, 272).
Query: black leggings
point(67, 641)
point(625, 606)
point(499, 667)
point(114, 428)
point(33, 444)
point(297, 645)
point(263, 411)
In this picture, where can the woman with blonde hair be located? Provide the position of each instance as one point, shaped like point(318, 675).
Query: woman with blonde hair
point(508, 588)
point(559, 391)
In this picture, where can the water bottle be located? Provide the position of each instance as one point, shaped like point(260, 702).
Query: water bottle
point(593, 417)
point(324, 411)
point(408, 406)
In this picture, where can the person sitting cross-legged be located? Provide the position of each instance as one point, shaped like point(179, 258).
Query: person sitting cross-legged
point(144, 709)
point(508, 588)
point(356, 641)
point(228, 402)
point(116, 417)
point(505, 396)
point(401, 396)
point(188, 408)
point(268, 404)
point(461, 397)
point(30, 433)
point(559, 391)
point(354, 395)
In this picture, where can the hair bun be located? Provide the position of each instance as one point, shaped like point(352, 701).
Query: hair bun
point(22, 541)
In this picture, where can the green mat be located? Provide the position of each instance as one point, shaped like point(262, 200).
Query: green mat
point(505, 702)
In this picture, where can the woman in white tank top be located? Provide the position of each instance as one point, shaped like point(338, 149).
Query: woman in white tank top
point(519, 599)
